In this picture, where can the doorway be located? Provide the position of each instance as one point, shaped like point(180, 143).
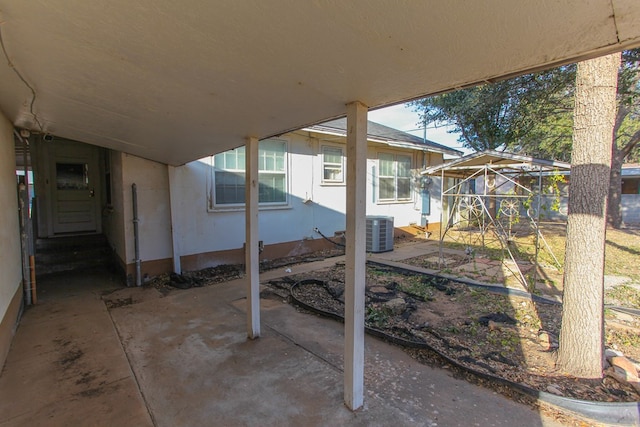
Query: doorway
point(75, 202)
point(69, 193)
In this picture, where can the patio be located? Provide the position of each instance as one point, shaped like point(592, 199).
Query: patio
point(184, 359)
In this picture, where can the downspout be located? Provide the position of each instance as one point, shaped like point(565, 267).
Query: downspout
point(173, 210)
point(136, 237)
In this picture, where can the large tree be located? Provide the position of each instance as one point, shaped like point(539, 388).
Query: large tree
point(626, 146)
point(582, 332)
point(506, 113)
point(532, 115)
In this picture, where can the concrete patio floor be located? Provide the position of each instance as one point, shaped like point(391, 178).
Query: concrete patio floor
point(184, 360)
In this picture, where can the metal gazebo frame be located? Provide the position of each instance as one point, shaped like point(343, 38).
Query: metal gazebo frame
point(485, 212)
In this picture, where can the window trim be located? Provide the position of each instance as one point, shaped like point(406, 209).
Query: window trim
point(395, 199)
point(212, 206)
point(330, 182)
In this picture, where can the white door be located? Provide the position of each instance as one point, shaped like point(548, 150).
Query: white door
point(75, 185)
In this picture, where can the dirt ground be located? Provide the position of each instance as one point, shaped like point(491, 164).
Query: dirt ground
point(465, 328)
point(499, 335)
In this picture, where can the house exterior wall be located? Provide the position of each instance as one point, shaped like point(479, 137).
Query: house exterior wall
point(154, 215)
point(631, 186)
point(11, 259)
point(209, 235)
point(154, 224)
point(630, 207)
point(113, 215)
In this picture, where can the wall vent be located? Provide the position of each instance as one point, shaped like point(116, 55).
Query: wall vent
point(379, 234)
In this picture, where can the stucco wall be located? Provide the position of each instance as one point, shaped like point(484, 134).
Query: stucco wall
point(154, 215)
point(312, 204)
point(113, 216)
point(201, 228)
point(10, 261)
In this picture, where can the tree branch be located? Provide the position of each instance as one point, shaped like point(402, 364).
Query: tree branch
point(630, 145)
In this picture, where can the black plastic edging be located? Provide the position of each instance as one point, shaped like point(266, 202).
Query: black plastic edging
point(469, 282)
point(624, 413)
point(499, 289)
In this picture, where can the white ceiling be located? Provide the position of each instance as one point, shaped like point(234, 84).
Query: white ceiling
point(174, 81)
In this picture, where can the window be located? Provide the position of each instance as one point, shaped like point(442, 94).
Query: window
point(229, 174)
point(394, 182)
point(332, 165)
point(72, 176)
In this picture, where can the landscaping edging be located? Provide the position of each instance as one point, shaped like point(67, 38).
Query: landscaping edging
point(625, 413)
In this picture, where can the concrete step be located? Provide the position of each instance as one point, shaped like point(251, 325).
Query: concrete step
point(71, 253)
point(69, 243)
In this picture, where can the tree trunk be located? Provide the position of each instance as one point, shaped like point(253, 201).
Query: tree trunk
point(614, 213)
point(582, 333)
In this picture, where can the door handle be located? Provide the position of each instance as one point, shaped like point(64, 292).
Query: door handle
point(92, 193)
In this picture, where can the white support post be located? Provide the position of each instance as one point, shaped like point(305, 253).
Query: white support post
point(252, 261)
point(174, 208)
point(355, 255)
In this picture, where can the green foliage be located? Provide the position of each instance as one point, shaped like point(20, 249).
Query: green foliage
point(554, 186)
point(627, 127)
point(533, 114)
point(507, 339)
point(376, 316)
point(502, 114)
point(453, 329)
point(416, 286)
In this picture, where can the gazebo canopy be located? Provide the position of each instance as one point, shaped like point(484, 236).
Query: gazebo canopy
point(497, 161)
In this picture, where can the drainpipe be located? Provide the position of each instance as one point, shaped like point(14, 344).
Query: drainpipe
point(136, 237)
point(173, 210)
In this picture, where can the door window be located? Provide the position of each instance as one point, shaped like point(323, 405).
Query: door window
point(72, 176)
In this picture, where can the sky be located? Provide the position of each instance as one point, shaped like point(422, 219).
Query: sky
point(405, 119)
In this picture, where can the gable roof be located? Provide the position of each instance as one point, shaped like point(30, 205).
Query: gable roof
point(385, 135)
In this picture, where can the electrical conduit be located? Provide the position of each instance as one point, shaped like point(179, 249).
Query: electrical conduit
point(136, 236)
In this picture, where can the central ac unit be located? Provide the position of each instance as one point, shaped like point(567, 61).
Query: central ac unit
point(379, 233)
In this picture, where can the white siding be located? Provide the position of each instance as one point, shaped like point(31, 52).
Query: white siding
point(630, 206)
point(11, 259)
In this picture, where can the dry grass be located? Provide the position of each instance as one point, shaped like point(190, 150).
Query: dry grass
point(623, 254)
point(621, 258)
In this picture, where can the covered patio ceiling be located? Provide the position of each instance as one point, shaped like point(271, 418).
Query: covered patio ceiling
point(175, 81)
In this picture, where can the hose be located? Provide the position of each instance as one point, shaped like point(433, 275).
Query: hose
point(328, 239)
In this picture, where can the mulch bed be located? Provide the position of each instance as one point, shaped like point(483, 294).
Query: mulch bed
point(500, 335)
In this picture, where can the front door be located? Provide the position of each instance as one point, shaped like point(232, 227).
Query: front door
point(75, 185)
